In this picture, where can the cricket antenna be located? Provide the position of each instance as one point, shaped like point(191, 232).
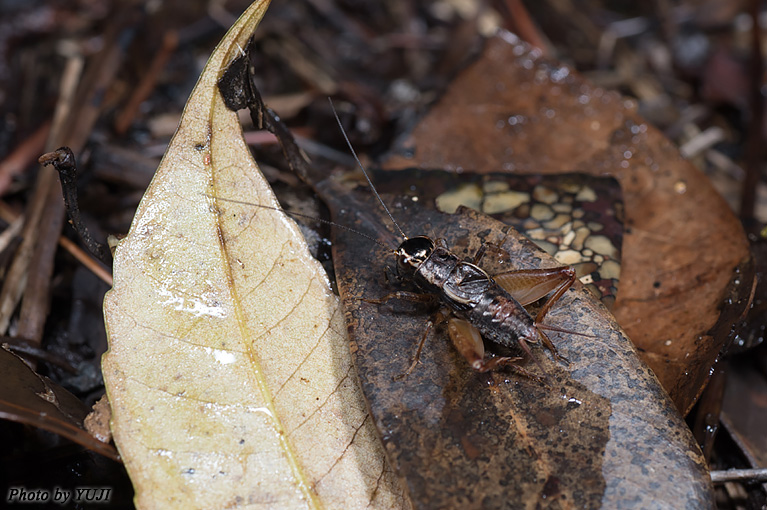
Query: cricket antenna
point(306, 216)
point(343, 132)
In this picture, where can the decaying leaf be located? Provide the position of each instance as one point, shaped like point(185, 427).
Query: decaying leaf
point(599, 433)
point(97, 421)
point(686, 272)
point(229, 372)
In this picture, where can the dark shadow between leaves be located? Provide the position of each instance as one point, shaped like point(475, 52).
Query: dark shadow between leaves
point(29, 398)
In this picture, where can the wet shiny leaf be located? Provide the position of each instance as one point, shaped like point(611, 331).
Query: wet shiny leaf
point(461, 439)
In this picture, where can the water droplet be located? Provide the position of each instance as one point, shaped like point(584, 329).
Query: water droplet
point(559, 75)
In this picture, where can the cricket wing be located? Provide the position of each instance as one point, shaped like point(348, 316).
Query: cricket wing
point(529, 285)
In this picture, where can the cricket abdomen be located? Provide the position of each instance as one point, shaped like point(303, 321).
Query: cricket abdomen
point(501, 319)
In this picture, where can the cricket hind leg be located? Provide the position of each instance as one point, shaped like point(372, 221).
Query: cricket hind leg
point(468, 342)
point(530, 285)
point(550, 345)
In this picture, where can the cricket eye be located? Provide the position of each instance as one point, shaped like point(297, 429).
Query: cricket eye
point(413, 252)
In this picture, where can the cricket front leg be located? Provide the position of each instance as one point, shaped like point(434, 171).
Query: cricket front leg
point(441, 316)
point(413, 297)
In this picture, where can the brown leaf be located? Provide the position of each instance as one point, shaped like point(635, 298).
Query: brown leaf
point(27, 397)
point(686, 270)
point(597, 434)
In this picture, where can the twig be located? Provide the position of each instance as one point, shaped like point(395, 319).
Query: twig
point(27, 348)
point(756, 107)
point(73, 249)
point(24, 154)
point(10, 233)
point(739, 475)
point(526, 28)
point(93, 265)
point(238, 91)
point(16, 279)
point(63, 160)
point(147, 83)
point(73, 132)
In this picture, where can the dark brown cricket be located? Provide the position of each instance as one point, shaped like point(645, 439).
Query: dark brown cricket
point(480, 305)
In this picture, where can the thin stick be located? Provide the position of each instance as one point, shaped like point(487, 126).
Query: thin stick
point(739, 475)
point(63, 160)
point(754, 148)
point(16, 278)
point(24, 154)
point(78, 253)
point(93, 265)
point(148, 82)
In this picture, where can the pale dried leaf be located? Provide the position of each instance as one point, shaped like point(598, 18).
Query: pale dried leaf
point(229, 372)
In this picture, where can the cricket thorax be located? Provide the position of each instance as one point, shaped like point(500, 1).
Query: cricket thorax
point(466, 285)
point(435, 271)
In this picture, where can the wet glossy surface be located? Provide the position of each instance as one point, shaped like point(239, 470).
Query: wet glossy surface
point(596, 434)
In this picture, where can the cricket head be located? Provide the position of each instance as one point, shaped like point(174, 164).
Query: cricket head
point(412, 253)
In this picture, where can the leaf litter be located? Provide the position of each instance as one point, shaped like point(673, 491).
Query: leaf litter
point(121, 158)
